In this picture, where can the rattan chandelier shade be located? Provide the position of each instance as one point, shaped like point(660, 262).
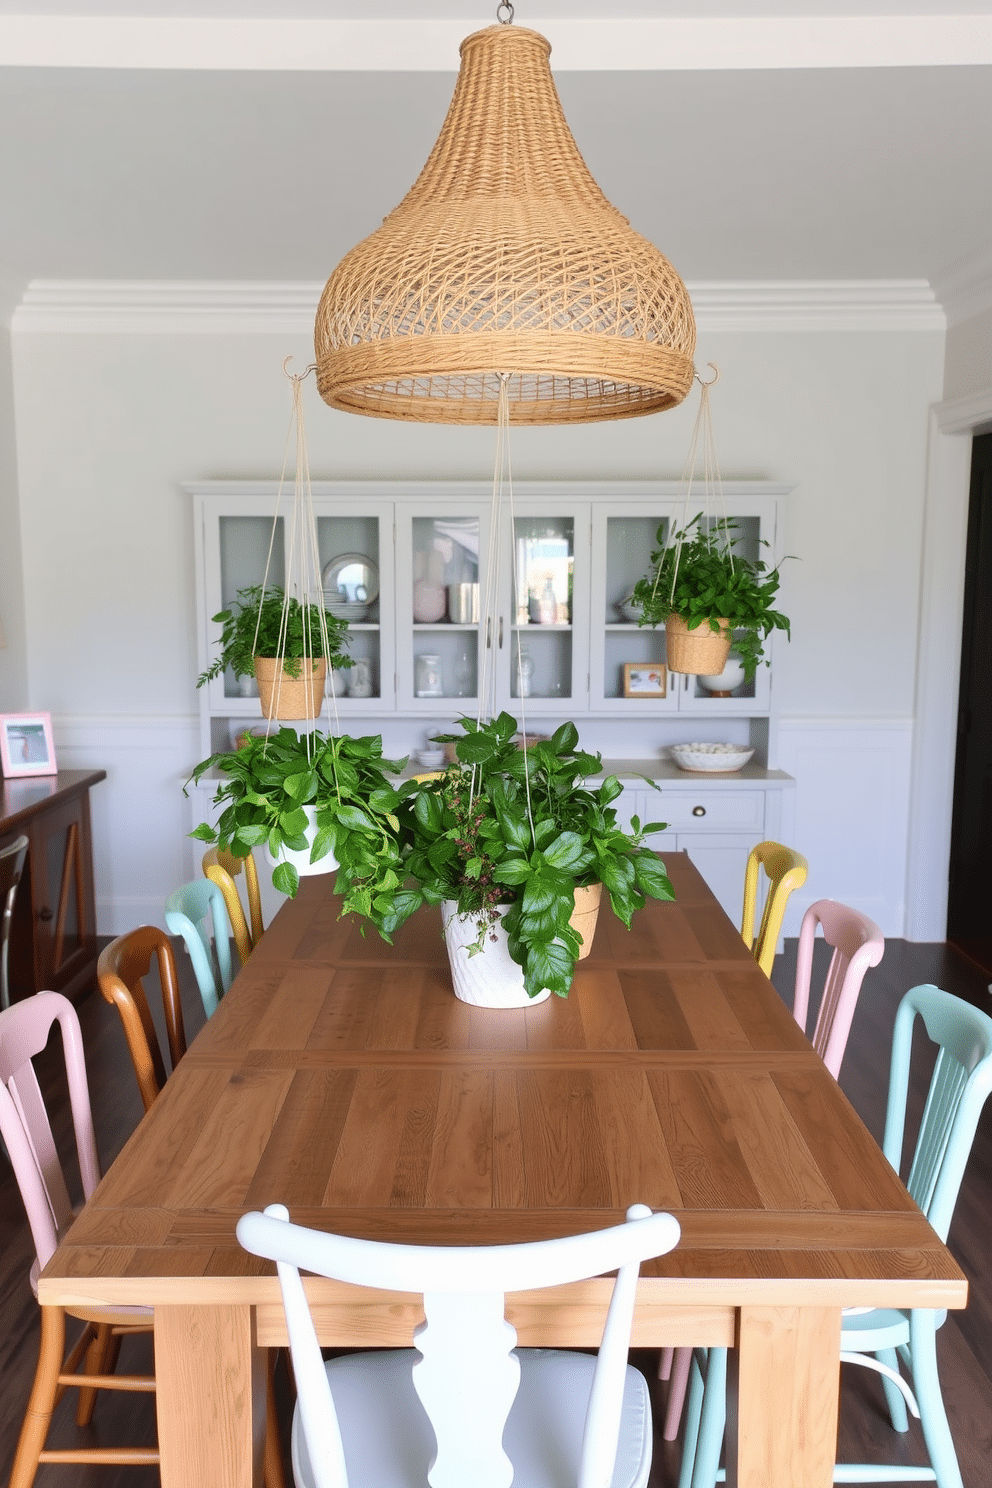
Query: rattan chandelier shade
point(504, 257)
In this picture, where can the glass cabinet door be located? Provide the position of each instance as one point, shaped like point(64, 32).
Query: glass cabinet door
point(242, 546)
point(541, 663)
point(356, 565)
point(441, 600)
point(627, 661)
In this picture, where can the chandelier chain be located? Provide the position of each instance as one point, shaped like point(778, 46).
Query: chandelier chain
point(504, 13)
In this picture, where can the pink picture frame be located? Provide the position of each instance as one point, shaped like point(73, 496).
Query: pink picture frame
point(26, 744)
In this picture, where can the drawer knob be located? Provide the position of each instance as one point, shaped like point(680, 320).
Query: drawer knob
point(45, 913)
point(699, 810)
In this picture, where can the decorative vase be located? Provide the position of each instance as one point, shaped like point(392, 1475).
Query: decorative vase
point(299, 858)
point(701, 650)
point(585, 914)
point(430, 602)
point(490, 979)
point(284, 696)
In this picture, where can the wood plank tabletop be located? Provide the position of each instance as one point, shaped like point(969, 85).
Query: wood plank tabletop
point(340, 1076)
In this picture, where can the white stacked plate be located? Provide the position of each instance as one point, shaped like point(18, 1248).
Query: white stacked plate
point(348, 610)
point(710, 758)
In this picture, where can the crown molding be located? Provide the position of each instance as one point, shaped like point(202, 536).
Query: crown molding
point(969, 414)
point(411, 44)
point(188, 307)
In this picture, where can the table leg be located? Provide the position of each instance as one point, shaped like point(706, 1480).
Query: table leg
point(210, 1392)
point(782, 1391)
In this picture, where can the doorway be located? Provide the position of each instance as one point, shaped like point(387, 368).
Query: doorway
point(969, 904)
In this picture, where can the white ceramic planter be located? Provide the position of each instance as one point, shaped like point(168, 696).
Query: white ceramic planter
point(300, 860)
point(490, 979)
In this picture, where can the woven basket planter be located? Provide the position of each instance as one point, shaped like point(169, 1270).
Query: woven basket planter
point(284, 696)
point(700, 651)
point(585, 914)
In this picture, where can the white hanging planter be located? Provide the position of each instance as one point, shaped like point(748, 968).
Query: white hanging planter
point(490, 979)
point(300, 859)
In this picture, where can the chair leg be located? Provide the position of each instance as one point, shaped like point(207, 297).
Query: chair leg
point(692, 1415)
point(676, 1392)
point(933, 1417)
point(97, 1356)
point(665, 1357)
point(41, 1402)
point(712, 1421)
point(893, 1396)
point(274, 1475)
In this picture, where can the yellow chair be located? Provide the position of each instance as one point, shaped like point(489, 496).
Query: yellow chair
point(222, 868)
point(786, 870)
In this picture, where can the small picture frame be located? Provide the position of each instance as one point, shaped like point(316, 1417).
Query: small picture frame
point(26, 744)
point(643, 679)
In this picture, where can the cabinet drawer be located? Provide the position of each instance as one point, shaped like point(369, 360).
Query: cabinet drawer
point(714, 811)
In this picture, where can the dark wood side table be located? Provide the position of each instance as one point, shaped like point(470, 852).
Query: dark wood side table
point(53, 935)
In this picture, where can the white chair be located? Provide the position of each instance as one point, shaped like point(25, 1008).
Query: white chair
point(487, 1413)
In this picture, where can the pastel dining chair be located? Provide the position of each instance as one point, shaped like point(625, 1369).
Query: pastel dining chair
point(11, 866)
point(24, 1125)
point(882, 1338)
point(786, 871)
point(857, 943)
point(187, 912)
point(223, 868)
point(465, 1404)
point(119, 973)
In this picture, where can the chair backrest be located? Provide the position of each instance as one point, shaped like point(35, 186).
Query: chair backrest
point(857, 944)
point(11, 866)
point(223, 868)
point(24, 1123)
point(786, 870)
point(959, 1088)
point(186, 914)
point(465, 1335)
point(119, 971)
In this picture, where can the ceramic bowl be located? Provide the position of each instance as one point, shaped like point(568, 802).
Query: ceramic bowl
point(710, 758)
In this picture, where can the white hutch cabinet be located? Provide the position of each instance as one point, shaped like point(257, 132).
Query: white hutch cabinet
point(562, 566)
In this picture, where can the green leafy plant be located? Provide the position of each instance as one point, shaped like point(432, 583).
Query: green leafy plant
point(253, 627)
point(510, 834)
point(704, 579)
point(268, 782)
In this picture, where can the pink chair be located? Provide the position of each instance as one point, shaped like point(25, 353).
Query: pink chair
point(857, 944)
point(25, 1127)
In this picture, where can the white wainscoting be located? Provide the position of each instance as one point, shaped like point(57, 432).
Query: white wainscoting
point(850, 803)
point(851, 813)
point(141, 818)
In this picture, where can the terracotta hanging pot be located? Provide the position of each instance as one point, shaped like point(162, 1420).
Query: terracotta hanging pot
point(284, 696)
point(700, 651)
point(585, 914)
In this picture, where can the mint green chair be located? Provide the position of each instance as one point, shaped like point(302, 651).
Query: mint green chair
point(186, 914)
point(882, 1338)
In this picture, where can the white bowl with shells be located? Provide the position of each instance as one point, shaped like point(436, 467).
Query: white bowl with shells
point(710, 759)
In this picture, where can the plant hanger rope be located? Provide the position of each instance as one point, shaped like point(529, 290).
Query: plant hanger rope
point(302, 559)
point(702, 430)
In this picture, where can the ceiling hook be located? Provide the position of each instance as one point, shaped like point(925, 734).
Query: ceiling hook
point(714, 379)
point(504, 13)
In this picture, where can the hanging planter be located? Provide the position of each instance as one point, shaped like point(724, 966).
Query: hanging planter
point(299, 859)
point(285, 696)
point(699, 650)
point(701, 587)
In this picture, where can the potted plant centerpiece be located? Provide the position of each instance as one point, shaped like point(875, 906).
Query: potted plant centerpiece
point(317, 802)
point(280, 642)
point(705, 593)
point(506, 840)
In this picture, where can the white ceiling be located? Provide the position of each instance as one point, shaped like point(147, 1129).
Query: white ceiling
point(114, 172)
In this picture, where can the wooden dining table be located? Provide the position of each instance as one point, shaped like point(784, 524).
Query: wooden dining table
point(341, 1077)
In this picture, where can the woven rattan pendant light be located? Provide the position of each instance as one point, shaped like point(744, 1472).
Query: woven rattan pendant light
point(504, 256)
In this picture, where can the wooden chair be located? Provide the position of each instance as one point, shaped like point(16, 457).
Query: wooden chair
point(24, 1125)
point(119, 972)
point(462, 1398)
point(786, 870)
point(882, 1338)
point(11, 866)
point(186, 913)
point(858, 943)
point(223, 868)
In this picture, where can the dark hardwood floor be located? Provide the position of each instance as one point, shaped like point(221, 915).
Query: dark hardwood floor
point(964, 1343)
